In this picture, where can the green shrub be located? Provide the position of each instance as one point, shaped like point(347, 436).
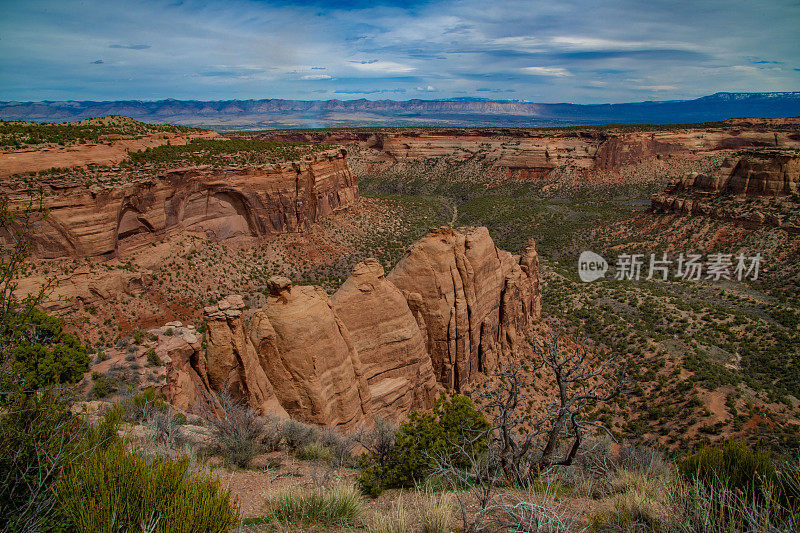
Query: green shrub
point(143, 405)
point(340, 506)
point(113, 490)
point(153, 359)
point(454, 425)
point(44, 355)
point(37, 438)
point(102, 385)
point(315, 452)
point(755, 474)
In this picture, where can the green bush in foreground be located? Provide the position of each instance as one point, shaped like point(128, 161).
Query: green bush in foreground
point(755, 474)
point(44, 355)
point(116, 490)
point(339, 505)
point(454, 425)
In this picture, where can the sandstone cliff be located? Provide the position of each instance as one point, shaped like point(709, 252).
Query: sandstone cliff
point(388, 340)
point(592, 154)
point(454, 307)
point(221, 204)
point(475, 302)
point(753, 190)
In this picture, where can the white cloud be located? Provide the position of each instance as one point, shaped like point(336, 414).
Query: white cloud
point(382, 67)
point(546, 71)
point(427, 89)
point(658, 87)
point(316, 77)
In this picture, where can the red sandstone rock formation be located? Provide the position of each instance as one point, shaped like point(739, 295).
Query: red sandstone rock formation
point(454, 307)
point(595, 155)
point(219, 204)
point(388, 340)
point(309, 356)
point(475, 302)
point(765, 179)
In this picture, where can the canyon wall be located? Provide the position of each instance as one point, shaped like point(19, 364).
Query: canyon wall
point(220, 204)
point(454, 308)
point(592, 154)
point(754, 190)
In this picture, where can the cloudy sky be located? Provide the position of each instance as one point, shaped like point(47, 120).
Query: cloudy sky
point(585, 51)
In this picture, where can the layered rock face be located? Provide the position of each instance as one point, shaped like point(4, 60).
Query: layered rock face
point(593, 155)
point(474, 301)
point(390, 343)
point(220, 204)
point(382, 345)
point(749, 190)
point(758, 174)
point(309, 356)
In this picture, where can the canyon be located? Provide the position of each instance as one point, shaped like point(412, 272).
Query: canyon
point(586, 154)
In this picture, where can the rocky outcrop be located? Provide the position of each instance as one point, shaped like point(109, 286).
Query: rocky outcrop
point(767, 173)
point(475, 302)
point(309, 356)
point(390, 344)
point(454, 307)
point(220, 204)
point(753, 190)
point(589, 154)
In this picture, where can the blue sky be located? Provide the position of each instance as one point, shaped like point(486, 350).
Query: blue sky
point(585, 51)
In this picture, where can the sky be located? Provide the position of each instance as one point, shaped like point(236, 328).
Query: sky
point(583, 51)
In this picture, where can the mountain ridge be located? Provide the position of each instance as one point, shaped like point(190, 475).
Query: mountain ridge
point(281, 113)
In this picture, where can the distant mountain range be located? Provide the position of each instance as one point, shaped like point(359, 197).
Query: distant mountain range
point(274, 113)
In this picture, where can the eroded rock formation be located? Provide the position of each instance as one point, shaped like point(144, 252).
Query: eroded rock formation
point(220, 204)
point(474, 301)
point(390, 343)
point(753, 190)
point(310, 357)
point(382, 345)
point(591, 154)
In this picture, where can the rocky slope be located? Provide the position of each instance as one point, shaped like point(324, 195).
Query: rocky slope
point(756, 189)
point(220, 204)
point(589, 155)
point(455, 307)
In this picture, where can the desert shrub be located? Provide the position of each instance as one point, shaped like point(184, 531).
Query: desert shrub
point(44, 355)
point(297, 435)
point(341, 446)
point(316, 452)
point(153, 359)
point(455, 424)
point(144, 405)
point(436, 510)
point(394, 521)
point(378, 440)
point(115, 490)
point(102, 386)
point(38, 437)
point(340, 505)
point(236, 430)
point(632, 512)
point(755, 474)
point(697, 506)
point(271, 435)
